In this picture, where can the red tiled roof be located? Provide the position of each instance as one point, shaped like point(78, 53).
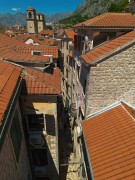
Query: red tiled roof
point(111, 20)
point(47, 32)
point(9, 75)
point(70, 33)
point(59, 33)
point(25, 37)
point(110, 140)
point(42, 83)
point(107, 48)
point(19, 51)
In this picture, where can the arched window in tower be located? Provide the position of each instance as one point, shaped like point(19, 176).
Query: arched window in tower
point(39, 16)
point(29, 15)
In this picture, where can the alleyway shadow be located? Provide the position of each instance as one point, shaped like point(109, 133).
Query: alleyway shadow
point(65, 145)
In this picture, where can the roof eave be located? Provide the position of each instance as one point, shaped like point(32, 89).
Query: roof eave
point(88, 156)
point(104, 28)
point(95, 62)
point(10, 110)
point(112, 52)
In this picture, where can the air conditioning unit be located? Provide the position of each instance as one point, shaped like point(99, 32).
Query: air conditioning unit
point(40, 171)
point(36, 140)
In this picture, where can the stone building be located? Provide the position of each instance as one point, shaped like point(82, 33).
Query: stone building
point(67, 44)
point(29, 115)
point(35, 22)
point(14, 160)
point(40, 103)
point(97, 84)
point(110, 73)
point(95, 31)
point(106, 76)
point(99, 29)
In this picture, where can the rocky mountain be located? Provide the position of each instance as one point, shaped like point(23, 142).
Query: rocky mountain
point(2, 29)
point(92, 8)
point(20, 18)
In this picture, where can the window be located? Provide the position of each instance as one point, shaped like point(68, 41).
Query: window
point(16, 135)
point(36, 53)
point(78, 71)
point(39, 157)
point(66, 73)
point(29, 15)
point(36, 122)
point(84, 86)
point(67, 59)
point(42, 122)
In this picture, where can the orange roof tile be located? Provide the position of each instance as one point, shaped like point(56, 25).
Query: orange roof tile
point(108, 48)
point(19, 51)
point(111, 20)
point(42, 83)
point(9, 75)
point(70, 33)
point(47, 32)
point(109, 137)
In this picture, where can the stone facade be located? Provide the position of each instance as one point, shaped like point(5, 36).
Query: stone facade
point(66, 71)
point(35, 22)
point(9, 167)
point(44, 105)
point(112, 80)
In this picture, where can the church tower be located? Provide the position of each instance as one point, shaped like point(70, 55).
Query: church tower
point(31, 21)
point(40, 22)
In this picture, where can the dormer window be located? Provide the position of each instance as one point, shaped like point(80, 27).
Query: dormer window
point(36, 53)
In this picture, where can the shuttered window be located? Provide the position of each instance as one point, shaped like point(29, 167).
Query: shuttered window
point(16, 135)
point(50, 124)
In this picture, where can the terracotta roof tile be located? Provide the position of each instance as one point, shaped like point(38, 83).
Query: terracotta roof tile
point(110, 141)
point(111, 20)
point(47, 32)
point(42, 83)
point(108, 47)
point(9, 75)
point(70, 33)
point(20, 51)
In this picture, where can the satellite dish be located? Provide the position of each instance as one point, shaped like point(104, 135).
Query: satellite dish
point(86, 38)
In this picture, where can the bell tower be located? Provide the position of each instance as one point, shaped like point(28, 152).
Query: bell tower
point(40, 22)
point(31, 21)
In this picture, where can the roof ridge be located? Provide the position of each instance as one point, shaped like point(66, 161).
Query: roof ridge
point(127, 112)
point(104, 109)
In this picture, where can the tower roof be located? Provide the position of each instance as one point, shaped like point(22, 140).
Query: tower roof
point(30, 9)
point(40, 13)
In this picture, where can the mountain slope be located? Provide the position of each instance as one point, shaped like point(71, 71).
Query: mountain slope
point(92, 8)
point(20, 18)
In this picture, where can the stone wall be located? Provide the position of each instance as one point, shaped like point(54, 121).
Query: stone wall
point(32, 26)
point(46, 104)
point(9, 167)
point(112, 80)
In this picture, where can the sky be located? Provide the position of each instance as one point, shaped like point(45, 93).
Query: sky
point(44, 6)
